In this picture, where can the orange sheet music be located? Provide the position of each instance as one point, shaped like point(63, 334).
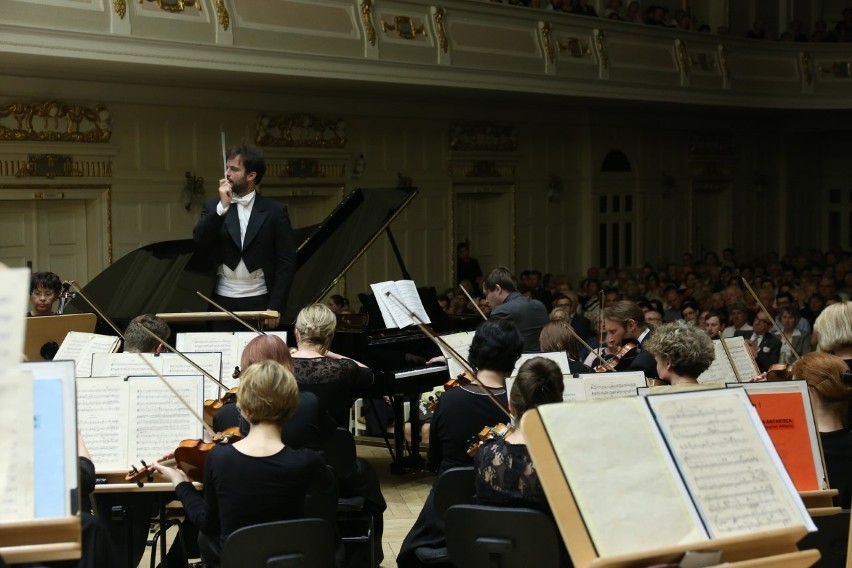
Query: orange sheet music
point(783, 416)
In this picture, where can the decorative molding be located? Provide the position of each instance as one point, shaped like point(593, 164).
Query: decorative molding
point(600, 43)
point(807, 72)
point(306, 168)
point(723, 63)
point(575, 47)
point(59, 122)
point(546, 41)
point(120, 7)
point(404, 27)
point(53, 166)
point(300, 131)
point(840, 69)
point(439, 16)
point(682, 57)
point(175, 6)
point(704, 61)
point(367, 18)
point(222, 15)
point(495, 169)
point(483, 136)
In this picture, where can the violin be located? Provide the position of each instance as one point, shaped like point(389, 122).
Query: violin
point(189, 457)
point(618, 361)
point(488, 433)
point(212, 406)
point(779, 372)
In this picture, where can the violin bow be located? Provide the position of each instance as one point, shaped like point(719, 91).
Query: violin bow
point(96, 308)
point(475, 305)
point(772, 319)
point(580, 340)
point(184, 357)
point(440, 342)
point(232, 314)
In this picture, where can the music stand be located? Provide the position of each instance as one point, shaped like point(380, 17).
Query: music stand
point(44, 329)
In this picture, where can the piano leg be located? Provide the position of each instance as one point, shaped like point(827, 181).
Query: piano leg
point(403, 463)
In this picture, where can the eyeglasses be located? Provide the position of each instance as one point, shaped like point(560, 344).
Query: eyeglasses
point(45, 295)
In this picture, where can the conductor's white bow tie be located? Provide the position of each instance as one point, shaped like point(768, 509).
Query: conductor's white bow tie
point(244, 201)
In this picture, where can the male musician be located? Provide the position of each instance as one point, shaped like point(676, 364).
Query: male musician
point(250, 238)
point(45, 288)
point(136, 340)
point(501, 291)
point(624, 320)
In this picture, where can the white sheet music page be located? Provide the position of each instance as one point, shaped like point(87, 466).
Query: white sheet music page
point(124, 364)
point(14, 292)
point(80, 347)
point(102, 417)
point(17, 490)
point(407, 291)
point(460, 343)
point(209, 342)
point(558, 357)
point(173, 364)
point(728, 462)
point(721, 371)
point(621, 475)
point(394, 311)
point(612, 385)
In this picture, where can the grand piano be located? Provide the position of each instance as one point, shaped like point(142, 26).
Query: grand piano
point(164, 277)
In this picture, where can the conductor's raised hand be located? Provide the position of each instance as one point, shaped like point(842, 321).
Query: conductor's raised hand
point(225, 192)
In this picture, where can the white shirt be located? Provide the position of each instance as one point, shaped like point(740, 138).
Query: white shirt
point(240, 283)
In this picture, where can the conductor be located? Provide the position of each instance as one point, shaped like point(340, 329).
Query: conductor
point(249, 237)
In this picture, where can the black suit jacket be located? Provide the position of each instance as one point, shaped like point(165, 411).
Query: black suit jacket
point(644, 361)
point(768, 353)
point(268, 244)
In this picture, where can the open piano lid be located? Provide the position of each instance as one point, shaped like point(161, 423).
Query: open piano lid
point(163, 277)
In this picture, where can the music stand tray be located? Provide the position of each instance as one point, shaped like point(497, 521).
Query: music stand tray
point(44, 329)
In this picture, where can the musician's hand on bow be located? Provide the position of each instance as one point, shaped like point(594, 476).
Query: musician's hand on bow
point(173, 474)
point(225, 192)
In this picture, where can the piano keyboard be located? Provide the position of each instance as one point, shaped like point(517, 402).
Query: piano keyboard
point(417, 371)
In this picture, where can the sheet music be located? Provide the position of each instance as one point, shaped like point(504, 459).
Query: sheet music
point(728, 462)
point(211, 342)
point(574, 389)
point(160, 420)
point(460, 342)
point(14, 292)
point(173, 364)
point(80, 347)
point(558, 357)
point(612, 385)
point(17, 446)
point(720, 369)
point(397, 300)
point(621, 475)
point(124, 364)
point(102, 416)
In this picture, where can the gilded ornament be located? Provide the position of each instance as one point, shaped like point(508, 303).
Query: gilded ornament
point(682, 57)
point(483, 136)
point(574, 47)
point(404, 27)
point(300, 131)
point(439, 15)
point(222, 14)
point(600, 42)
point(840, 69)
point(704, 61)
point(546, 30)
point(366, 17)
point(175, 6)
point(120, 7)
point(723, 62)
point(54, 121)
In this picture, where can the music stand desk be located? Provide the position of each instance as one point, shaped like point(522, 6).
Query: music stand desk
point(44, 329)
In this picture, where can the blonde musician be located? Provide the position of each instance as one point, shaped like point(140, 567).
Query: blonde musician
point(682, 352)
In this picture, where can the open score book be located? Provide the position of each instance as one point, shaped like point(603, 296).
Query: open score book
point(665, 470)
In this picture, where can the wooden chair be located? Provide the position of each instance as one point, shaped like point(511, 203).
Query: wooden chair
point(479, 536)
point(301, 543)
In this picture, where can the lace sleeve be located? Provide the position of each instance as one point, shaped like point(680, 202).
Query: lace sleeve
point(504, 474)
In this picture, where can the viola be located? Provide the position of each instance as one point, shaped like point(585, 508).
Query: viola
point(619, 360)
point(488, 433)
point(189, 457)
point(779, 372)
point(211, 406)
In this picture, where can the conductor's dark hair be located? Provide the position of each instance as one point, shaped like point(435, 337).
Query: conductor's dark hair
point(252, 158)
point(46, 280)
point(497, 345)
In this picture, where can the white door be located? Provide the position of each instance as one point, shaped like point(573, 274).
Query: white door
point(46, 236)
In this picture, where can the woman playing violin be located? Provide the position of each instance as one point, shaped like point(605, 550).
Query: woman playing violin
point(505, 474)
point(682, 352)
point(463, 412)
point(255, 480)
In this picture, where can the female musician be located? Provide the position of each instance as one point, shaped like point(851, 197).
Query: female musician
point(505, 474)
point(328, 375)
point(555, 337)
point(464, 411)
point(309, 427)
point(789, 317)
point(830, 398)
point(255, 480)
point(833, 331)
point(682, 352)
point(45, 288)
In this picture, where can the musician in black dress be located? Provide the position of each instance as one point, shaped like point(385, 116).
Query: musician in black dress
point(830, 398)
point(505, 474)
point(461, 414)
point(258, 479)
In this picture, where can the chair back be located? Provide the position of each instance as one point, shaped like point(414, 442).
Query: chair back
point(341, 453)
point(300, 543)
point(501, 537)
point(454, 487)
point(831, 539)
